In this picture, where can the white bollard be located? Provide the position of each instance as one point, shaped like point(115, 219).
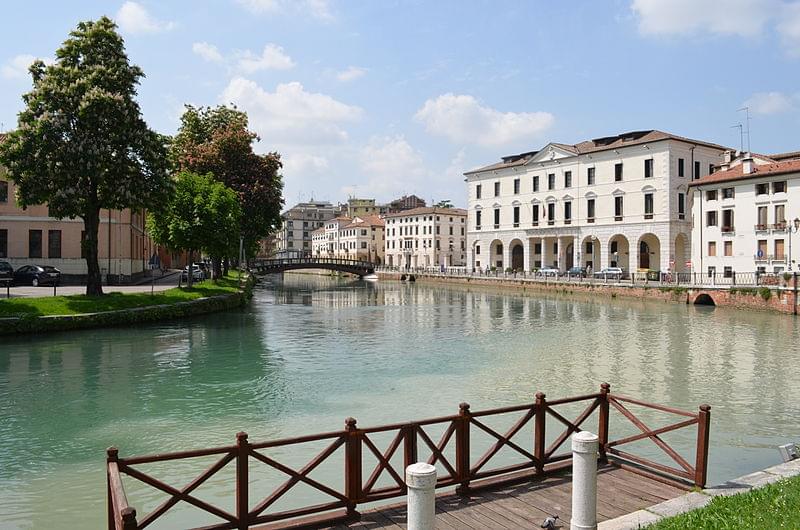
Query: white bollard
point(584, 481)
point(421, 482)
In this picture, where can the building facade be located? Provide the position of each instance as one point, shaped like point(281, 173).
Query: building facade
point(404, 203)
point(426, 237)
point(298, 222)
point(746, 216)
point(618, 201)
point(359, 238)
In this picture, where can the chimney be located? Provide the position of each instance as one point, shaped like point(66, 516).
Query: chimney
point(747, 164)
point(726, 157)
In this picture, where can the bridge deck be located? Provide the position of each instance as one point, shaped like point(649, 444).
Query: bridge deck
point(525, 505)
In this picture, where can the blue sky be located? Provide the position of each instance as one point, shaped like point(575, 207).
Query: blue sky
point(380, 98)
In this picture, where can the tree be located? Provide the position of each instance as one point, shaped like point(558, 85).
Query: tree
point(81, 144)
point(201, 215)
point(216, 140)
point(443, 204)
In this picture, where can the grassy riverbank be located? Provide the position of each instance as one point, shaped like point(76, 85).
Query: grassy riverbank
point(78, 304)
point(773, 506)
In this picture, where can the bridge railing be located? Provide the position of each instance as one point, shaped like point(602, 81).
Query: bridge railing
point(456, 444)
point(282, 262)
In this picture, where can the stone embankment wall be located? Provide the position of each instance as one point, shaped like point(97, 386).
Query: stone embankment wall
point(775, 299)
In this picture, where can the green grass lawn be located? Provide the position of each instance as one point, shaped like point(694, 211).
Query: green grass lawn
point(75, 304)
point(774, 506)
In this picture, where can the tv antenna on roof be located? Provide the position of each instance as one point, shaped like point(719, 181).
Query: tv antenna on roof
point(747, 114)
point(741, 136)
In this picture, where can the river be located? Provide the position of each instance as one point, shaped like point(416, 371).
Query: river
point(310, 351)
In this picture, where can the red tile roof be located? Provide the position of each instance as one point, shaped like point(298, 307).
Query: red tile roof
point(428, 209)
point(735, 173)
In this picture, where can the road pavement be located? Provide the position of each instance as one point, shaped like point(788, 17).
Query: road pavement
point(168, 281)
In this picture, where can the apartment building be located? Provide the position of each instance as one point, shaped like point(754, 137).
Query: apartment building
point(359, 238)
point(426, 237)
point(298, 222)
point(746, 216)
point(617, 201)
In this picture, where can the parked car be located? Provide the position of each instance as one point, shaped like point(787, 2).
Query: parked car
point(205, 268)
point(36, 275)
point(577, 271)
point(616, 273)
point(6, 272)
point(197, 273)
point(548, 271)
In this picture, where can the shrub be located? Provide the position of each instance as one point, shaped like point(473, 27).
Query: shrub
point(766, 293)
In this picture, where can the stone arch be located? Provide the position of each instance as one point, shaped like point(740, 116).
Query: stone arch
point(648, 252)
point(517, 255)
point(704, 299)
point(496, 254)
point(681, 255)
point(476, 255)
point(590, 252)
point(619, 250)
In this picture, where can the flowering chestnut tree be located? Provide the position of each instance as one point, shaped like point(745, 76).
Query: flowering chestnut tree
point(81, 144)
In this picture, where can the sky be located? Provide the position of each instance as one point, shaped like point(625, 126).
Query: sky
point(380, 98)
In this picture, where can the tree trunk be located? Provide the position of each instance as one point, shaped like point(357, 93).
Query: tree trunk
point(216, 266)
point(225, 266)
point(94, 280)
point(190, 275)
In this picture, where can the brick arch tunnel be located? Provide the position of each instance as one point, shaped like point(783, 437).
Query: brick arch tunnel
point(704, 298)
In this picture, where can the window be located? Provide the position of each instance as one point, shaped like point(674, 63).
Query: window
point(497, 218)
point(727, 220)
point(535, 215)
point(516, 219)
point(777, 187)
point(780, 216)
point(568, 179)
point(551, 181)
point(536, 183)
point(496, 189)
point(762, 189)
point(712, 248)
point(648, 205)
point(729, 248)
point(590, 176)
point(537, 248)
point(618, 208)
point(3, 191)
point(477, 249)
point(680, 167)
point(363, 244)
point(54, 244)
point(618, 172)
point(305, 224)
point(779, 249)
point(727, 272)
point(34, 243)
point(477, 192)
point(681, 206)
point(761, 218)
point(568, 213)
point(451, 230)
point(3, 243)
point(589, 248)
point(590, 210)
point(551, 213)
point(437, 229)
point(711, 218)
point(516, 186)
point(363, 232)
point(648, 168)
point(728, 193)
point(711, 195)
point(478, 220)
point(712, 271)
point(696, 169)
point(499, 250)
point(710, 168)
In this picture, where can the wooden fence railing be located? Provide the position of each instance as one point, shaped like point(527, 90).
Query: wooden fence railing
point(360, 481)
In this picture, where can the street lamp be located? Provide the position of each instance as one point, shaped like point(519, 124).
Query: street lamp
point(792, 229)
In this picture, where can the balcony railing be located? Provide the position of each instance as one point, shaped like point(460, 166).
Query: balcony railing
point(728, 229)
point(761, 227)
point(779, 226)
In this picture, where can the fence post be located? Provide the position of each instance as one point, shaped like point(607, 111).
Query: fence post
point(602, 430)
point(462, 448)
point(112, 454)
point(701, 463)
point(410, 445)
point(352, 467)
point(242, 481)
point(421, 485)
point(538, 433)
point(584, 481)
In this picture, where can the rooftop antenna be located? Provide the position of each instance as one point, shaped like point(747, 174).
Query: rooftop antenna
point(741, 136)
point(747, 114)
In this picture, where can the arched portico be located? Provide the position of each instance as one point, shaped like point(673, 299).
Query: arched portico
point(495, 254)
point(590, 252)
point(649, 252)
point(619, 252)
point(517, 255)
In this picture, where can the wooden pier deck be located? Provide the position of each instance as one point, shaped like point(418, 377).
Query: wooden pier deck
point(526, 504)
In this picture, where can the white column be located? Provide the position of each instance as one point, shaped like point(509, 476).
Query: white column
point(527, 264)
point(584, 481)
point(506, 255)
point(576, 252)
point(421, 482)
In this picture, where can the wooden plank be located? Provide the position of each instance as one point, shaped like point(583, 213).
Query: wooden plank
point(526, 515)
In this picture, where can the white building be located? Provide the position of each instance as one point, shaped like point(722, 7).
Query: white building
point(746, 214)
point(359, 238)
point(426, 237)
point(294, 237)
point(615, 201)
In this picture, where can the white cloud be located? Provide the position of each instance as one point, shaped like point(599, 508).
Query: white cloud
point(17, 67)
point(299, 162)
point(134, 18)
point(765, 103)
point(351, 73)
point(291, 115)
point(734, 17)
point(462, 119)
point(391, 166)
point(789, 28)
point(272, 58)
point(207, 51)
point(319, 9)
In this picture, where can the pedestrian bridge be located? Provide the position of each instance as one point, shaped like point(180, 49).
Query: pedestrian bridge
point(270, 266)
